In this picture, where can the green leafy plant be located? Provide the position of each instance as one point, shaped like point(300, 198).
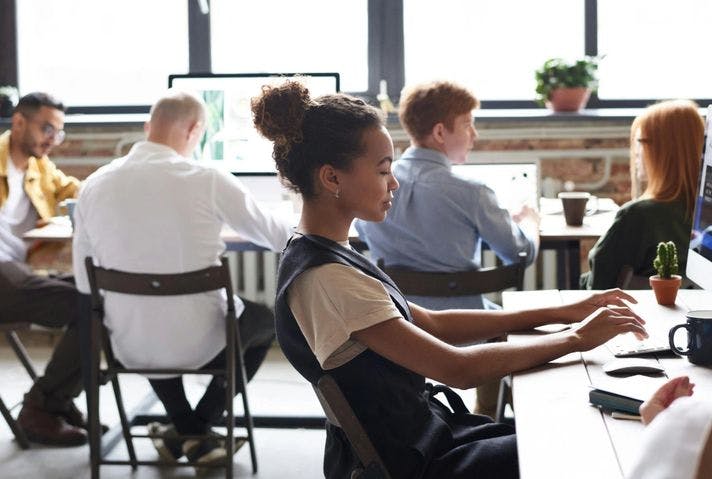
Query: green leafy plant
point(9, 92)
point(557, 73)
point(665, 262)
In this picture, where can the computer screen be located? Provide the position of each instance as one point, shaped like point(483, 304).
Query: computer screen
point(699, 258)
point(514, 183)
point(230, 141)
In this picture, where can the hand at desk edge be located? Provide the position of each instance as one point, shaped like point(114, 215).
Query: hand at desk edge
point(664, 396)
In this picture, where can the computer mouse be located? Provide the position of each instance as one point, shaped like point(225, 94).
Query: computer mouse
point(633, 366)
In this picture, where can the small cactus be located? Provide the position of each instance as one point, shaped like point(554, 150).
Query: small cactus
point(666, 261)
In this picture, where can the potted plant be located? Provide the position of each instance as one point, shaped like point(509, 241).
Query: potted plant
point(8, 100)
point(563, 86)
point(666, 283)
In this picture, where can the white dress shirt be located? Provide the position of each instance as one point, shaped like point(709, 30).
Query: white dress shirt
point(156, 211)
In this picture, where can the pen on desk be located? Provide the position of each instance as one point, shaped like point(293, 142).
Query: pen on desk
point(623, 415)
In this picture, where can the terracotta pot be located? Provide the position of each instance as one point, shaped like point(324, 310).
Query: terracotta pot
point(665, 289)
point(568, 99)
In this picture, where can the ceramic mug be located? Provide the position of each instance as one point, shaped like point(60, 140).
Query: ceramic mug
point(69, 204)
point(576, 205)
point(699, 337)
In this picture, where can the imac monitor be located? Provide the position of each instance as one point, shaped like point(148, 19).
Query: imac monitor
point(514, 183)
point(230, 141)
point(699, 258)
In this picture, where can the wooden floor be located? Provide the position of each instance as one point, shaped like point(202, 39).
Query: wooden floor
point(276, 389)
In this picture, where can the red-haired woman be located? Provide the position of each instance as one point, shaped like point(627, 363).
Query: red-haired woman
point(666, 149)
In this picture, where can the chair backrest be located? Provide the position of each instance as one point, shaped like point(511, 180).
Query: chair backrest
point(339, 413)
point(628, 280)
point(149, 284)
point(459, 283)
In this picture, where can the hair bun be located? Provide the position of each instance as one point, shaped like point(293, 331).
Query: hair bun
point(278, 113)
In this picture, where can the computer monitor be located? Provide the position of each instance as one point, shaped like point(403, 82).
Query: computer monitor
point(699, 257)
point(231, 142)
point(514, 183)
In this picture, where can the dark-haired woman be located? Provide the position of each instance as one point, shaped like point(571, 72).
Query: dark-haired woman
point(337, 313)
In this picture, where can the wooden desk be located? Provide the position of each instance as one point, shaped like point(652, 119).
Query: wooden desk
point(555, 234)
point(559, 435)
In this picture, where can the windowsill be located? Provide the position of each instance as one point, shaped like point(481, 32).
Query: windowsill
point(494, 115)
point(127, 119)
point(546, 115)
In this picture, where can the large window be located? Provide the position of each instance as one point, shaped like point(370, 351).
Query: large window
point(263, 36)
point(99, 52)
point(117, 53)
point(654, 49)
point(486, 46)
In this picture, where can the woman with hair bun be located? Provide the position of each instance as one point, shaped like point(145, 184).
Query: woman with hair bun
point(337, 313)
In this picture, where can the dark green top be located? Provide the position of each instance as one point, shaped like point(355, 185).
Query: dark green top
point(633, 239)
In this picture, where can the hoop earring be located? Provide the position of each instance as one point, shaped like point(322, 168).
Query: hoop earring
point(336, 194)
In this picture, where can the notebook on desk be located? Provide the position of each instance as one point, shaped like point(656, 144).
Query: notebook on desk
point(624, 394)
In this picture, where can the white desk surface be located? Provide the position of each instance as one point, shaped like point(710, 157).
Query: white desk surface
point(553, 226)
point(559, 434)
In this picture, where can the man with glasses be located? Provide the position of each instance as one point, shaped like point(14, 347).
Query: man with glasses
point(31, 186)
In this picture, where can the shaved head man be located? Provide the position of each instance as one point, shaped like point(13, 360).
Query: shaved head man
point(157, 211)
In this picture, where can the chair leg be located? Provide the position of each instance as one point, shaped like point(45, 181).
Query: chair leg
point(92, 395)
point(505, 389)
point(248, 415)
point(21, 353)
point(16, 430)
point(125, 426)
point(230, 399)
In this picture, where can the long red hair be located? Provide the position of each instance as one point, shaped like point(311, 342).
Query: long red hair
point(671, 137)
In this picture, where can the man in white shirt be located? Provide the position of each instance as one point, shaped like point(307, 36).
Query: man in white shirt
point(31, 186)
point(155, 210)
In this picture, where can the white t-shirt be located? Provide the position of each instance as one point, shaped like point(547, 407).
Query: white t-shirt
point(672, 445)
point(332, 301)
point(155, 211)
point(17, 216)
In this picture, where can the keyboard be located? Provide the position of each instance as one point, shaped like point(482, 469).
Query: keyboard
point(626, 345)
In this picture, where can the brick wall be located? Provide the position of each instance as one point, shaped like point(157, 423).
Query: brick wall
point(592, 154)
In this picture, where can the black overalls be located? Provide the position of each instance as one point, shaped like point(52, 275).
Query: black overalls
point(416, 435)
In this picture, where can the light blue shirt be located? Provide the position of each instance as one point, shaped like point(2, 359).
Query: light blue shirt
point(438, 223)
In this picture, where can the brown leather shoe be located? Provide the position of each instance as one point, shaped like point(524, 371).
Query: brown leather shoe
point(75, 417)
point(48, 428)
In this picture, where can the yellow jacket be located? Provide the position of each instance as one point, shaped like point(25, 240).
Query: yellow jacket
point(45, 184)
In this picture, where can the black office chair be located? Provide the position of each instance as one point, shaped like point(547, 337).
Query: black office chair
point(627, 279)
point(463, 283)
point(208, 279)
point(339, 413)
point(10, 330)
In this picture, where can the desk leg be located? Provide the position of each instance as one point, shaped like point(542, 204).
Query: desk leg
point(573, 252)
point(568, 267)
point(562, 257)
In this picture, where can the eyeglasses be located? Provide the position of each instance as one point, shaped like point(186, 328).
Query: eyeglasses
point(50, 132)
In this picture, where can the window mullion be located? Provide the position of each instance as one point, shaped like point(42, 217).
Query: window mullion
point(386, 57)
point(199, 58)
